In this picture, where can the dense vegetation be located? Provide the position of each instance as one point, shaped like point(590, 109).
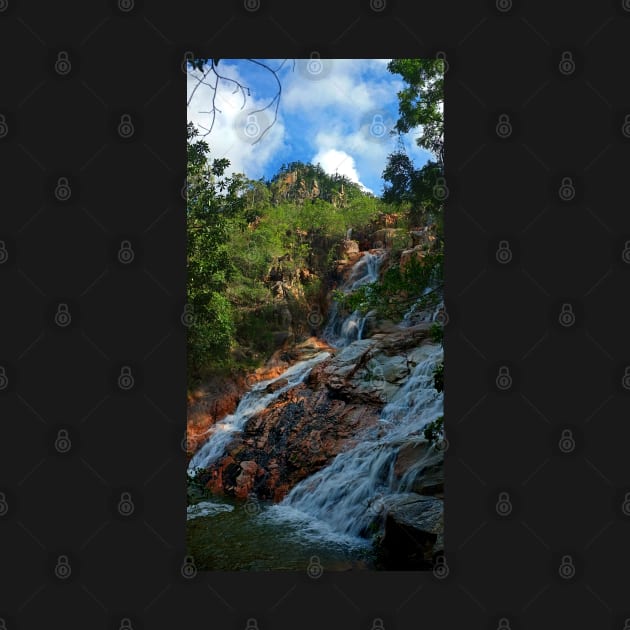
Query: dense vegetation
point(250, 239)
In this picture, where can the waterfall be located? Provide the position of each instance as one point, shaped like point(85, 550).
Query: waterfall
point(257, 399)
point(341, 332)
point(415, 314)
point(338, 498)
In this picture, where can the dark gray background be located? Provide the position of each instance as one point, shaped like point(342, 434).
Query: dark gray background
point(566, 390)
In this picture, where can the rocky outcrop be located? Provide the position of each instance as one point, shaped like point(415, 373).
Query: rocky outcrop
point(220, 395)
point(306, 426)
point(417, 252)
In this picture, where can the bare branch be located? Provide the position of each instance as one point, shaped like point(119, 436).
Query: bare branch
point(245, 91)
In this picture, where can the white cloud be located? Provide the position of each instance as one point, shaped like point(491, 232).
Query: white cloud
point(343, 87)
point(229, 137)
point(334, 162)
point(329, 119)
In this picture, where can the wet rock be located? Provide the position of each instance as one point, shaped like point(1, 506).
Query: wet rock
point(350, 247)
point(420, 468)
point(413, 531)
point(408, 254)
point(276, 385)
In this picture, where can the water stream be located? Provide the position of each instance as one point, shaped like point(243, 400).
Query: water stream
point(327, 513)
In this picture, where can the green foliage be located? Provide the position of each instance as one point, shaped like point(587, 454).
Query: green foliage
point(436, 333)
point(434, 431)
point(438, 377)
point(398, 288)
point(420, 102)
point(212, 200)
point(195, 485)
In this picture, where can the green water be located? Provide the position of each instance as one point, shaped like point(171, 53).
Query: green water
point(244, 540)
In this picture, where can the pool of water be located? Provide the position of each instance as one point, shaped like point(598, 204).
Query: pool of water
point(230, 535)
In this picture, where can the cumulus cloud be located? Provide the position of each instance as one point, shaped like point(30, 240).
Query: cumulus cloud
point(236, 127)
point(339, 162)
point(329, 119)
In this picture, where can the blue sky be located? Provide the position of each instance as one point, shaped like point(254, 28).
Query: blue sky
point(337, 112)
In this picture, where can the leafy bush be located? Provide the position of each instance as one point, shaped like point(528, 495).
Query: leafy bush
point(436, 332)
point(434, 431)
point(438, 377)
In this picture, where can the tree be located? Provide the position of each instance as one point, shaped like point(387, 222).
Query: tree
point(421, 103)
point(400, 174)
point(212, 200)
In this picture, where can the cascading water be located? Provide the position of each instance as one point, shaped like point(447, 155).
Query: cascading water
point(336, 501)
point(340, 332)
point(252, 402)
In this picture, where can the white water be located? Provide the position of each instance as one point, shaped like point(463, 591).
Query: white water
point(339, 501)
point(206, 508)
point(342, 497)
point(255, 400)
point(341, 332)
